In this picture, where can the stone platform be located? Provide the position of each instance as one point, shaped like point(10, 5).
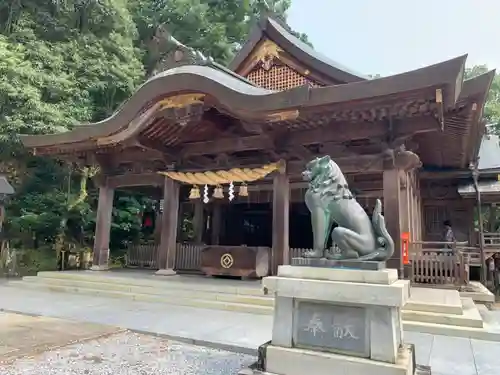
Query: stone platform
point(328, 263)
point(434, 311)
point(337, 318)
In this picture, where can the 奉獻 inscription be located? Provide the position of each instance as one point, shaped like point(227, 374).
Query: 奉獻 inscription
point(331, 327)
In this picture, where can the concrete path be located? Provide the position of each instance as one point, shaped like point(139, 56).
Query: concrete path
point(232, 331)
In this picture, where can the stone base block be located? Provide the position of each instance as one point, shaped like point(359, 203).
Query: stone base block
point(166, 272)
point(386, 276)
point(99, 267)
point(351, 264)
point(288, 361)
point(395, 294)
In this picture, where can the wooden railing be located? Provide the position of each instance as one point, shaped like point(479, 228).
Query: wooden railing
point(297, 252)
point(439, 263)
point(188, 257)
point(492, 240)
point(142, 256)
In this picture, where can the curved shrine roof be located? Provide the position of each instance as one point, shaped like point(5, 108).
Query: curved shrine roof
point(268, 27)
point(245, 101)
point(458, 144)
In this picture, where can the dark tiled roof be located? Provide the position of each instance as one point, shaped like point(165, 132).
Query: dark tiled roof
point(5, 187)
point(489, 153)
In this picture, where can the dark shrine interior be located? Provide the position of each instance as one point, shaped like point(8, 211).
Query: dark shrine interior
point(251, 224)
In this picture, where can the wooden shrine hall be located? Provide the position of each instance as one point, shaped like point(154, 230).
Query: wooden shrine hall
point(229, 143)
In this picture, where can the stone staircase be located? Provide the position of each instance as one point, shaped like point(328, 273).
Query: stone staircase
point(435, 311)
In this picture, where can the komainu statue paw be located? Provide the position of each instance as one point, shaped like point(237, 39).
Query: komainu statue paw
point(313, 254)
point(334, 256)
point(330, 255)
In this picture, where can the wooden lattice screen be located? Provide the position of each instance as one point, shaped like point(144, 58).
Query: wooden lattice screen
point(278, 77)
point(434, 216)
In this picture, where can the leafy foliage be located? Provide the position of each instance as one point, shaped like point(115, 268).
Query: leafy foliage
point(67, 62)
point(492, 108)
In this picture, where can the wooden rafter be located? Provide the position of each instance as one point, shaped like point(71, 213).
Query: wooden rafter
point(337, 133)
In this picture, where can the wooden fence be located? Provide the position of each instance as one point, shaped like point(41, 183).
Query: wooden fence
point(188, 257)
point(439, 263)
point(142, 256)
point(429, 263)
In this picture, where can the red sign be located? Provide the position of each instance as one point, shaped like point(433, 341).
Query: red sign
point(405, 244)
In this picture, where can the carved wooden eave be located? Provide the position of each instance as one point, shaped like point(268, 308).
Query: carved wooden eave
point(170, 106)
point(249, 102)
point(270, 41)
point(458, 144)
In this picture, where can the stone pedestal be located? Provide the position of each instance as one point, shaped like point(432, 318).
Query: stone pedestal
point(337, 320)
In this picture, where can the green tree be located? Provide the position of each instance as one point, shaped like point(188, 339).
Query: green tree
point(216, 28)
point(61, 63)
point(492, 107)
point(67, 62)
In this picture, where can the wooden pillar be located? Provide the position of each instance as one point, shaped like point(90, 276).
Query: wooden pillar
point(198, 221)
point(157, 231)
point(281, 207)
point(420, 210)
point(180, 221)
point(392, 213)
point(492, 218)
point(416, 210)
point(411, 207)
point(405, 212)
point(216, 223)
point(103, 228)
point(169, 222)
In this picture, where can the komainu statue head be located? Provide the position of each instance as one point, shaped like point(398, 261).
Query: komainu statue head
point(324, 174)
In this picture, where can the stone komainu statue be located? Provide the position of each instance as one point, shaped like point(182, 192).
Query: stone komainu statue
point(330, 201)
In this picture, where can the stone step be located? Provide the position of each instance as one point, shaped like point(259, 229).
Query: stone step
point(487, 333)
point(175, 282)
point(420, 321)
point(470, 317)
point(199, 303)
point(157, 290)
point(444, 301)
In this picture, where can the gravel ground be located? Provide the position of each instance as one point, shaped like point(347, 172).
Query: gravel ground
point(130, 353)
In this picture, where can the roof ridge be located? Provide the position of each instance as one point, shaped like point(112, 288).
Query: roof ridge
point(281, 34)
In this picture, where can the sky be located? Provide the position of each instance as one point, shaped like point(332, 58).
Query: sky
point(392, 36)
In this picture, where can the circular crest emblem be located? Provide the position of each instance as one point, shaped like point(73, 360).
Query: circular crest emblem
point(226, 260)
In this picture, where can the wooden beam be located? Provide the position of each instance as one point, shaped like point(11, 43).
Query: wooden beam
point(169, 154)
point(348, 164)
point(336, 132)
point(132, 154)
point(457, 173)
point(135, 179)
point(253, 142)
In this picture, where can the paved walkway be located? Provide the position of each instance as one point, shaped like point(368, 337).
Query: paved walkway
point(233, 331)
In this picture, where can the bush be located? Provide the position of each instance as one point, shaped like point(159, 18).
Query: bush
point(32, 261)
